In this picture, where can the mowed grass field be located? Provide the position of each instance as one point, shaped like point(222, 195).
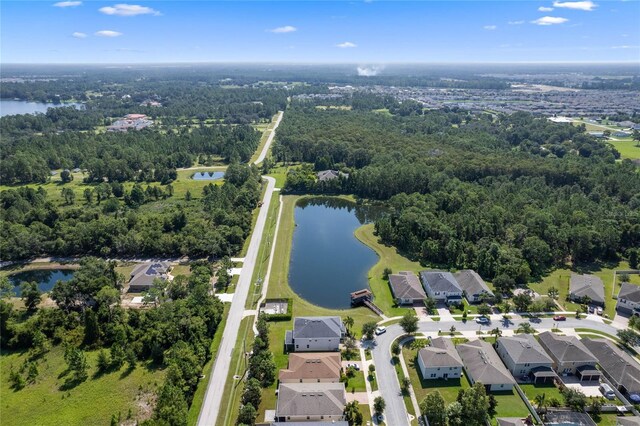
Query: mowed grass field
point(92, 402)
point(627, 148)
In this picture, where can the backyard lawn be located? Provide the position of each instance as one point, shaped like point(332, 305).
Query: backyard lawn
point(549, 390)
point(357, 383)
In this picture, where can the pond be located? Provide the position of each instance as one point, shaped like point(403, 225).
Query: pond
point(207, 175)
point(327, 260)
point(13, 107)
point(46, 278)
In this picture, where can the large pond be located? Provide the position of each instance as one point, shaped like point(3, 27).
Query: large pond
point(46, 278)
point(327, 260)
point(207, 175)
point(13, 107)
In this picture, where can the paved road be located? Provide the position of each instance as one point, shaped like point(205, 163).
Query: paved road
point(265, 150)
point(213, 396)
point(396, 412)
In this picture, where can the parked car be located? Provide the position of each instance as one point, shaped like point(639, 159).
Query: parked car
point(607, 391)
point(483, 320)
point(599, 311)
point(591, 309)
point(559, 318)
point(380, 330)
point(353, 365)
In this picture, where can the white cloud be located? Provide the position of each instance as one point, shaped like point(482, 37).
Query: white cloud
point(283, 30)
point(369, 71)
point(346, 45)
point(490, 27)
point(545, 9)
point(78, 34)
point(67, 4)
point(128, 10)
point(577, 5)
point(516, 22)
point(108, 33)
point(625, 46)
point(549, 20)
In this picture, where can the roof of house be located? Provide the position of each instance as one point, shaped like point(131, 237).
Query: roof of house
point(471, 282)
point(483, 364)
point(630, 292)
point(406, 285)
point(587, 285)
point(312, 366)
point(325, 423)
point(524, 348)
point(621, 368)
point(303, 399)
point(313, 327)
point(628, 421)
point(439, 281)
point(565, 348)
point(511, 421)
point(441, 353)
point(330, 174)
point(144, 274)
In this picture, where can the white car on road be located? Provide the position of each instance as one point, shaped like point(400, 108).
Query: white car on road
point(380, 330)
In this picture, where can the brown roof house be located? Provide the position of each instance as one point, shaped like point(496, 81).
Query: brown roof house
point(310, 402)
point(406, 288)
point(312, 368)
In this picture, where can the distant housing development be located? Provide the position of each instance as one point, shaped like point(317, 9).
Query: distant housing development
point(130, 122)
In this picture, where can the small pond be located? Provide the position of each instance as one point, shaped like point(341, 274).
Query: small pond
point(46, 278)
point(327, 260)
point(13, 107)
point(207, 176)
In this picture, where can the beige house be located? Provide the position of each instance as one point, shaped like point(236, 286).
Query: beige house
point(312, 368)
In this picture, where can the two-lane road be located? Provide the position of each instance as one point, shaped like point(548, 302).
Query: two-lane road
point(213, 395)
point(396, 412)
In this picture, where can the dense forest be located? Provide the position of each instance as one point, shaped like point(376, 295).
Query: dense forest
point(174, 333)
point(142, 221)
point(510, 196)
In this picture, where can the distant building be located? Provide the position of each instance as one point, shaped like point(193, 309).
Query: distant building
point(440, 360)
point(142, 276)
point(621, 134)
point(406, 288)
point(315, 334)
point(304, 402)
point(441, 286)
point(130, 122)
point(474, 287)
point(626, 124)
point(312, 368)
point(570, 356)
point(628, 299)
point(326, 175)
point(482, 364)
point(586, 286)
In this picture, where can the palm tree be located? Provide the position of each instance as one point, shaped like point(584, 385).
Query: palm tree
point(496, 332)
point(541, 402)
point(525, 328)
point(348, 322)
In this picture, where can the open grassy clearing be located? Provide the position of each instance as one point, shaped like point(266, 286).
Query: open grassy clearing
point(388, 258)
point(627, 148)
point(44, 403)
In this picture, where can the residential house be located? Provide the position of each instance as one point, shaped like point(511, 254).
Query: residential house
point(626, 124)
point(326, 175)
point(440, 360)
point(312, 368)
point(514, 421)
point(406, 288)
point(473, 286)
point(524, 357)
point(622, 370)
point(586, 286)
point(310, 402)
point(628, 299)
point(482, 364)
point(570, 356)
point(332, 423)
point(441, 286)
point(315, 334)
point(142, 276)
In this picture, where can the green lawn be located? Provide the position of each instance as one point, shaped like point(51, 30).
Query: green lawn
point(357, 383)
point(93, 401)
point(388, 258)
point(509, 405)
point(627, 148)
point(608, 419)
point(549, 390)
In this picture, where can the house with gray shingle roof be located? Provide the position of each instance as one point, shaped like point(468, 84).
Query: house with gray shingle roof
point(142, 276)
point(474, 287)
point(315, 334)
point(440, 360)
point(586, 286)
point(441, 286)
point(482, 364)
point(310, 402)
point(326, 175)
point(622, 370)
point(524, 357)
point(628, 299)
point(406, 288)
point(570, 356)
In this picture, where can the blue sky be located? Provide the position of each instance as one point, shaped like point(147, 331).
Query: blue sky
point(325, 31)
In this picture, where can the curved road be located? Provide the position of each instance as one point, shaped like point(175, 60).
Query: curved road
point(213, 396)
point(396, 412)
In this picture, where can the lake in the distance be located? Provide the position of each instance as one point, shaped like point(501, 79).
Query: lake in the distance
point(46, 278)
point(13, 107)
point(207, 175)
point(327, 261)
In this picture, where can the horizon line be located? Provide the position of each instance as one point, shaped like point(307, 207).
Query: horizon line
point(631, 62)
